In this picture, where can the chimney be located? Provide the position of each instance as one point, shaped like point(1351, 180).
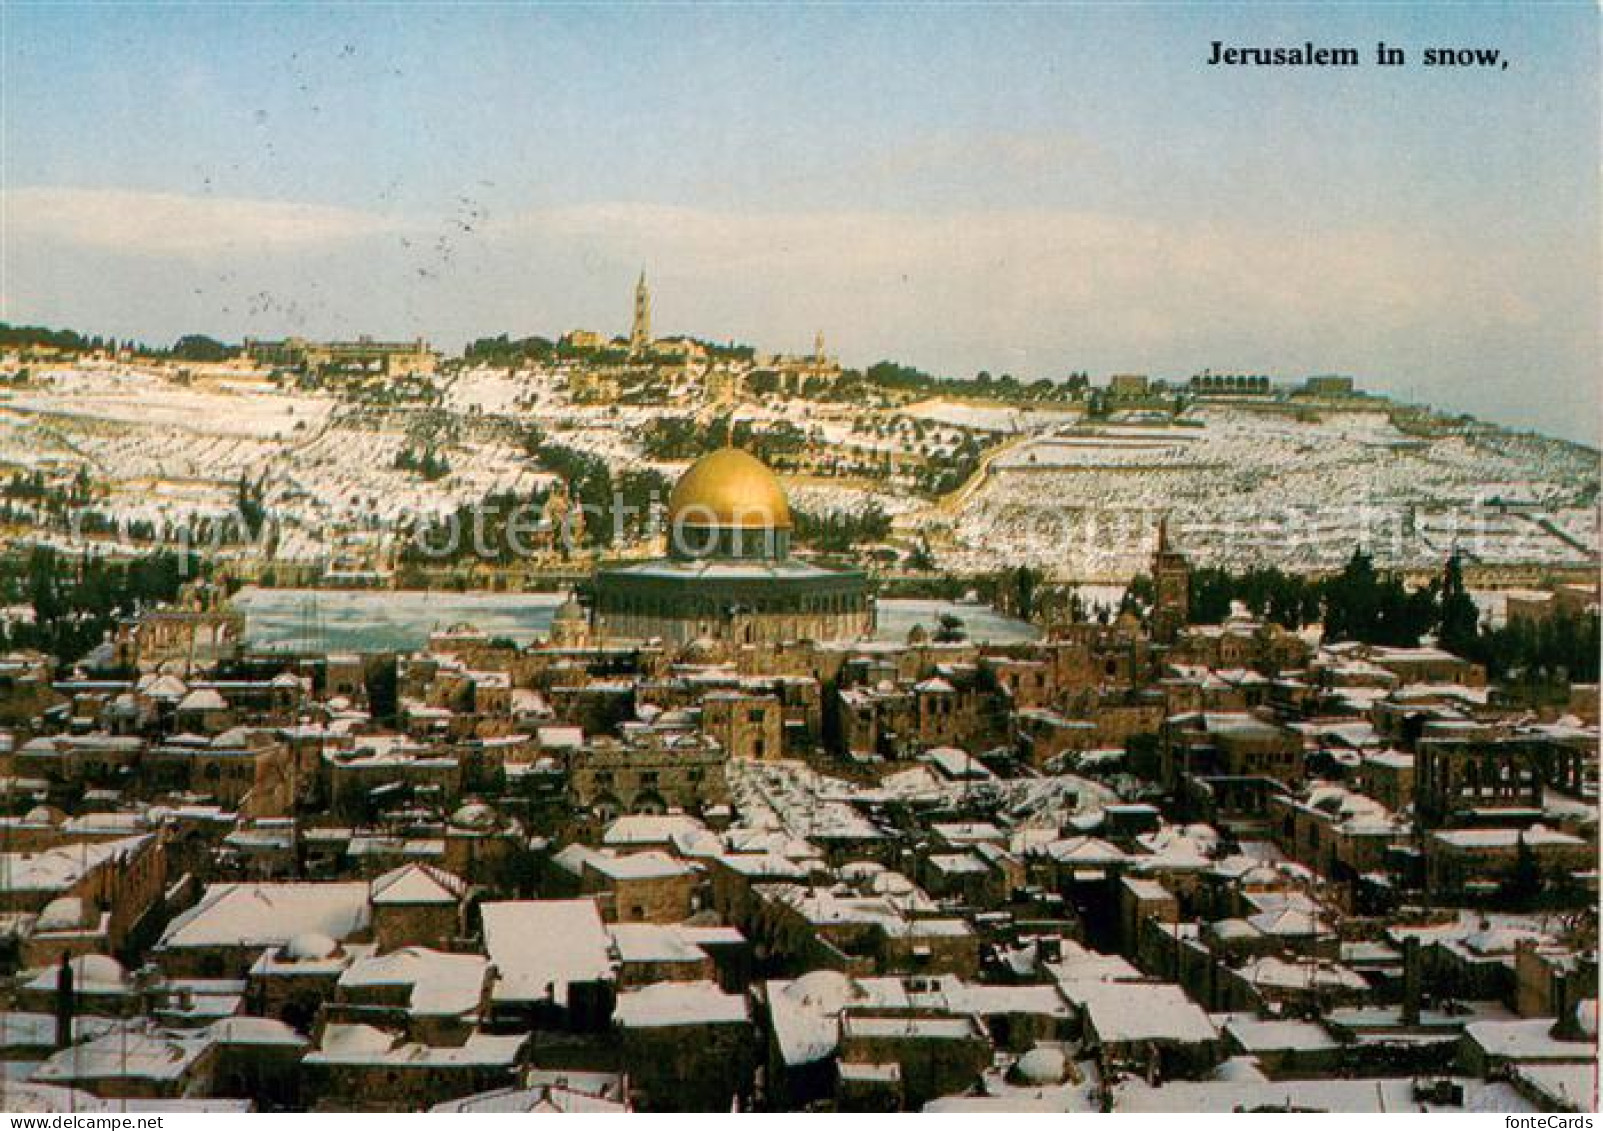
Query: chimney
point(64, 1002)
point(1411, 988)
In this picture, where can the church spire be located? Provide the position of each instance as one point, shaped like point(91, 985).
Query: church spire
point(640, 328)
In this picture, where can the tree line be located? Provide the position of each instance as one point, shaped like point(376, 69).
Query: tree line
point(1373, 606)
point(78, 600)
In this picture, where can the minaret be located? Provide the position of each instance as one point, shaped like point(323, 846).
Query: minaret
point(640, 331)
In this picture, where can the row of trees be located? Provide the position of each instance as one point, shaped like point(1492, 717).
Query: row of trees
point(837, 532)
point(893, 375)
point(76, 601)
point(1359, 603)
point(190, 347)
point(12, 337)
point(591, 484)
point(685, 437)
point(430, 465)
point(1374, 606)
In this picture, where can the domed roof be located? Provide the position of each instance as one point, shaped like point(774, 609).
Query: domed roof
point(474, 815)
point(98, 971)
point(570, 610)
point(1041, 1066)
point(1586, 1017)
point(310, 947)
point(64, 913)
point(827, 991)
point(701, 650)
point(729, 488)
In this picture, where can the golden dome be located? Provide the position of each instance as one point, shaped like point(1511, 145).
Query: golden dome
point(729, 488)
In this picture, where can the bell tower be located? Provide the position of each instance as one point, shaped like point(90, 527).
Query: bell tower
point(640, 328)
point(1171, 578)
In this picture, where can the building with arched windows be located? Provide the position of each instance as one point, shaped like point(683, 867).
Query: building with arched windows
point(729, 574)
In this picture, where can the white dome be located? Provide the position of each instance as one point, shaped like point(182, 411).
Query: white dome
point(254, 1031)
point(99, 971)
point(41, 815)
point(62, 914)
point(1041, 1066)
point(1240, 1070)
point(310, 947)
point(828, 991)
point(474, 815)
point(1586, 1017)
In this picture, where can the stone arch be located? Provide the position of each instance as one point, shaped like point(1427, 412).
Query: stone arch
point(650, 803)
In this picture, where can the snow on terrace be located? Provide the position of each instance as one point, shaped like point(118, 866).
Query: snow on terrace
point(349, 464)
point(541, 947)
point(794, 797)
point(491, 392)
point(437, 984)
point(1349, 1097)
point(26, 441)
point(1249, 487)
point(804, 803)
point(668, 1004)
point(822, 497)
point(268, 914)
point(141, 397)
point(171, 450)
point(988, 418)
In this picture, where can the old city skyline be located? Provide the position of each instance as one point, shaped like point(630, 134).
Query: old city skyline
point(816, 558)
point(1111, 208)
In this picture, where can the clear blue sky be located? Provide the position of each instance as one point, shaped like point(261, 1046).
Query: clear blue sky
point(1035, 189)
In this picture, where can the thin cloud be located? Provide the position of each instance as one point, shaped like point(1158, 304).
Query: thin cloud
point(160, 224)
point(1024, 272)
point(1039, 291)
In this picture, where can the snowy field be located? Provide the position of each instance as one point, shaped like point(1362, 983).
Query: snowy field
point(1244, 488)
point(1077, 498)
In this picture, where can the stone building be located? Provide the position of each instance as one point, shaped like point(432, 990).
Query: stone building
point(416, 905)
point(87, 896)
point(1171, 577)
point(394, 359)
point(901, 719)
point(639, 887)
point(745, 725)
point(195, 637)
point(1335, 831)
point(648, 771)
point(1454, 777)
point(932, 1055)
point(688, 1046)
point(1473, 864)
point(1228, 745)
